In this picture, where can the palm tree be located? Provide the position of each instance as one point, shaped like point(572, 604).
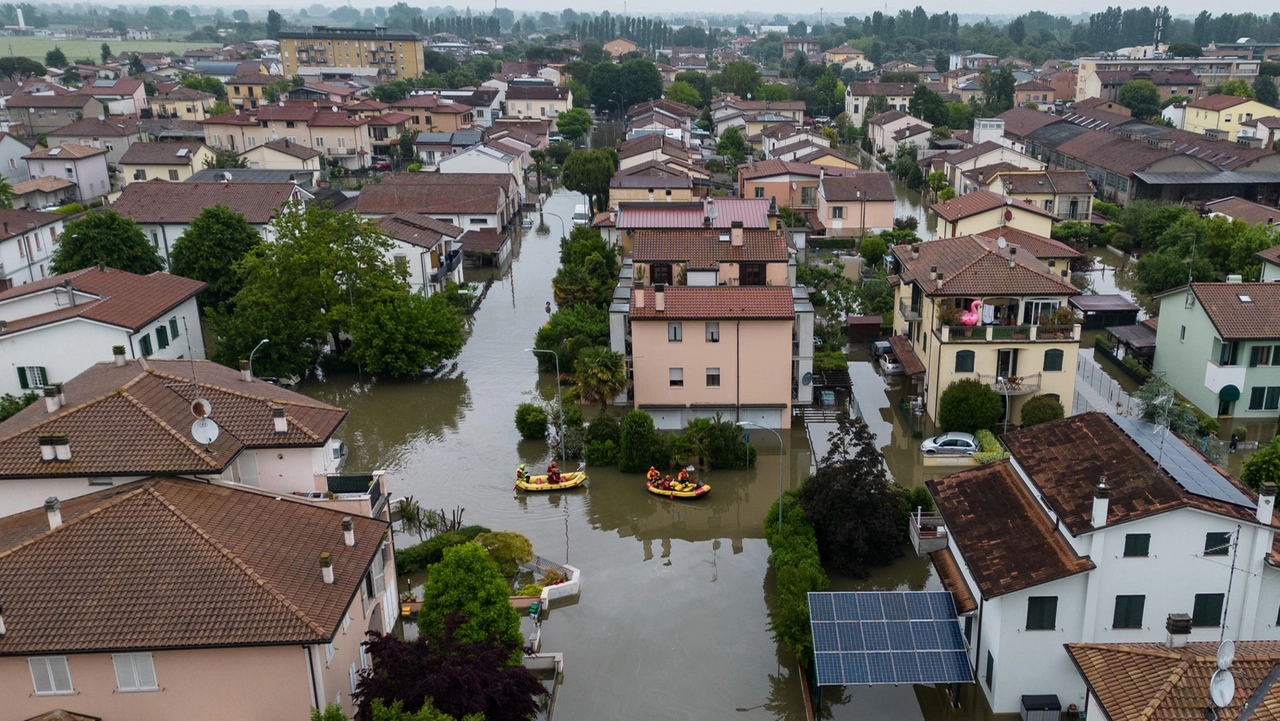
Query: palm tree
point(601, 374)
point(539, 157)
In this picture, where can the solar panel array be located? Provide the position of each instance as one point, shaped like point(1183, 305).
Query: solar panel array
point(887, 638)
point(1187, 468)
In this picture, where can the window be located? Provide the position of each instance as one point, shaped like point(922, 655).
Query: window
point(1260, 355)
point(1217, 543)
point(660, 273)
point(675, 332)
point(50, 675)
point(808, 196)
point(144, 344)
point(135, 672)
point(173, 175)
point(355, 676)
point(319, 142)
point(1137, 544)
point(173, 327)
point(1182, 335)
point(342, 142)
point(1207, 610)
point(759, 192)
point(329, 650)
point(713, 377)
point(713, 331)
point(71, 171)
point(1128, 612)
point(1042, 613)
point(1053, 360)
point(1228, 353)
point(964, 361)
point(162, 337)
point(677, 377)
point(837, 212)
point(32, 377)
point(991, 670)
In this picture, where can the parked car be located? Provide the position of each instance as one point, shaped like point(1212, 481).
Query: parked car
point(381, 164)
point(581, 215)
point(879, 348)
point(890, 366)
point(555, 138)
point(950, 444)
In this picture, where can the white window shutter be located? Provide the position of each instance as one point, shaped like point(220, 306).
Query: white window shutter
point(144, 666)
point(352, 672)
point(60, 674)
point(40, 675)
point(126, 678)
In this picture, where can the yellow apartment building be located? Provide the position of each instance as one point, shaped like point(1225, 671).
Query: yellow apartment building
point(388, 54)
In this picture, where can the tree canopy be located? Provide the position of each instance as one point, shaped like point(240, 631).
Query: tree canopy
point(589, 172)
point(105, 236)
point(682, 92)
point(740, 77)
point(209, 249)
point(733, 146)
point(574, 123)
point(55, 58)
point(469, 583)
point(1140, 96)
point(969, 405)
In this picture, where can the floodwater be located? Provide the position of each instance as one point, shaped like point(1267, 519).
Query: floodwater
point(910, 204)
point(671, 623)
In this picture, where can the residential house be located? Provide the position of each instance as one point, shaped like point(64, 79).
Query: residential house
point(55, 328)
point(1034, 92)
point(834, 162)
point(1266, 130)
point(113, 135)
point(322, 92)
point(1057, 255)
point(777, 137)
point(621, 224)
point(269, 594)
point(306, 179)
point(382, 52)
point(1240, 209)
point(340, 135)
point(183, 103)
point(139, 32)
point(283, 154)
point(645, 148)
point(1067, 194)
point(620, 46)
point(857, 95)
point(343, 138)
point(650, 189)
point(538, 101)
point(809, 46)
point(245, 92)
point(123, 96)
point(1018, 122)
point(385, 130)
point(435, 114)
point(428, 249)
point(1220, 116)
point(485, 248)
point(11, 166)
point(44, 193)
point(1106, 84)
point(1100, 529)
point(685, 114)
point(486, 160)
point(164, 210)
point(794, 185)
point(27, 242)
point(433, 146)
point(174, 161)
point(658, 123)
point(971, 60)
point(1216, 343)
point(854, 204)
point(842, 54)
point(1210, 71)
point(83, 165)
point(982, 209)
point(470, 201)
point(485, 104)
point(33, 115)
point(986, 153)
point(894, 128)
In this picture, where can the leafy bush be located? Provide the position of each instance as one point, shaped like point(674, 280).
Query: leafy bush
point(793, 548)
point(991, 450)
point(1136, 367)
point(969, 405)
point(914, 498)
point(1209, 426)
point(508, 549)
point(419, 556)
point(531, 421)
point(1263, 466)
point(873, 250)
point(1041, 409)
point(602, 438)
point(601, 453)
point(1240, 433)
point(11, 404)
point(531, 589)
point(830, 360)
point(638, 441)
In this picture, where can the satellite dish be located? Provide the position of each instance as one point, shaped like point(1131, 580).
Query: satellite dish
point(201, 408)
point(1222, 688)
point(1226, 654)
point(204, 431)
point(1001, 242)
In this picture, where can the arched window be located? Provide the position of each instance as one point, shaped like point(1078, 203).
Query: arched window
point(1053, 360)
point(964, 361)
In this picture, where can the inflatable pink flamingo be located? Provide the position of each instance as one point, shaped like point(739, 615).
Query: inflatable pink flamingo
point(973, 316)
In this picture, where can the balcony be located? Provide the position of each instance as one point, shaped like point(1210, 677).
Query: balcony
point(928, 533)
point(909, 312)
point(340, 151)
point(448, 264)
point(358, 493)
point(1007, 333)
point(1012, 385)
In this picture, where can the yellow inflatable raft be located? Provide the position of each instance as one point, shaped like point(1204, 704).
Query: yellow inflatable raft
point(539, 483)
point(680, 490)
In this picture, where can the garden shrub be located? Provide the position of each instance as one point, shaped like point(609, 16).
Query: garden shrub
point(1041, 409)
point(794, 556)
point(969, 405)
point(531, 421)
point(991, 451)
point(531, 589)
point(830, 360)
point(421, 555)
point(637, 443)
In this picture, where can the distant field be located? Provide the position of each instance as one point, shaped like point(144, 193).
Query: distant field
point(76, 48)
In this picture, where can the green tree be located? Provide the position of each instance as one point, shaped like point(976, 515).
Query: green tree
point(6, 194)
point(11, 404)
point(105, 52)
point(1017, 31)
point(508, 549)
point(682, 92)
point(206, 83)
point(274, 21)
point(959, 115)
point(1265, 91)
point(969, 405)
point(469, 583)
point(225, 159)
point(581, 326)
point(1162, 270)
point(571, 286)
point(105, 236)
point(997, 89)
point(740, 77)
point(639, 437)
point(876, 104)
point(1075, 233)
point(1140, 96)
point(1041, 409)
point(1158, 404)
point(640, 81)
point(574, 123)
point(700, 84)
point(400, 333)
point(407, 151)
point(331, 712)
point(852, 503)
point(395, 712)
point(1238, 87)
point(771, 91)
point(531, 421)
point(589, 172)
point(604, 84)
point(601, 375)
point(928, 106)
point(733, 146)
point(873, 250)
point(17, 69)
point(135, 65)
point(1184, 50)
point(209, 249)
point(55, 58)
point(1263, 466)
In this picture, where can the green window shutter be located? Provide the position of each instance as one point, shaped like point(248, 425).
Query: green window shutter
point(1128, 613)
point(1253, 356)
point(162, 337)
point(964, 361)
point(1137, 544)
point(173, 328)
point(1053, 360)
point(145, 344)
point(22, 379)
point(1207, 610)
point(1256, 396)
point(1217, 543)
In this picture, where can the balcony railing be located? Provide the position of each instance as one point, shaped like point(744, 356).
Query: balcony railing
point(1011, 385)
point(448, 263)
point(928, 533)
point(1008, 333)
point(340, 151)
point(908, 311)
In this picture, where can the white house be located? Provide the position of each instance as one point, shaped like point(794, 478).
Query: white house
point(485, 159)
point(428, 250)
point(51, 330)
point(83, 165)
point(140, 33)
point(27, 241)
point(1095, 531)
point(894, 128)
point(857, 95)
point(12, 166)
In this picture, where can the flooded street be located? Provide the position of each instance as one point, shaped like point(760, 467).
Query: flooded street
point(672, 620)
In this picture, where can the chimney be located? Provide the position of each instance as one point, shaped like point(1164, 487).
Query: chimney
point(735, 234)
point(117, 351)
point(639, 297)
point(62, 394)
point(938, 278)
point(706, 221)
point(1101, 500)
point(1013, 255)
point(933, 272)
point(1266, 503)
point(348, 531)
point(326, 567)
point(51, 403)
point(1178, 630)
point(245, 375)
point(773, 213)
point(1053, 263)
point(659, 302)
point(282, 423)
point(53, 509)
point(915, 251)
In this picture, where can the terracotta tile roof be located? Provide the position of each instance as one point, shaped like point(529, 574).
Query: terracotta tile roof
point(324, 119)
point(120, 298)
point(953, 580)
point(119, 87)
point(972, 152)
point(285, 113)
point(136, 420)
point(906, 354)
point(1216, 102)
point(93, 128)
point(1152, 682)
point(974, 267)
point(711, 302)
point(179, 564)
point(165, 202)
point(368, 104)
point(818, 152)
point(766, 168)
point(651, 143)
point(60, 715)
point(1065, 459)
point(485, 240)
point(1271, 255)
point(43, 184)
point(981, 201)
point(15, 221)
point(665, 121)
point(48, 101)
point(862, 90)
point(887, 117)
point(669, 106)
point(910, 132)
point(416, 229)
point(1037, 245)
point(234, 117)
point(866, 185)
point(1238, 319)
point(390, 119)
point(1241, 209)
point(181, 93)
point(1019, 121)
point(421, 198)
point(1021, 182)
point(288, 147)
point(753, 212)
point(703, 248)
point(1006, 541)
point(651, 181)
point(166, 153)
point(75, 152)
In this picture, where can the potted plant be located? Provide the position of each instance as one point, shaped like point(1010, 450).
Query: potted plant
point(948, 314)
point(638, 281)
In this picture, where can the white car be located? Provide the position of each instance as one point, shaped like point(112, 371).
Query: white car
point(581, 215)
point(890, 366)
point(950, 444)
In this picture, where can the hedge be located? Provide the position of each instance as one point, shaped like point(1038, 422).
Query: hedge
point(419, 556)
point(991, 451)
point(794, 557)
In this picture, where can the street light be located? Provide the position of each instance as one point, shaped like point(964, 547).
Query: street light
point(255, 350)
point(559, 398)
point(562, 225)
point(781, 457)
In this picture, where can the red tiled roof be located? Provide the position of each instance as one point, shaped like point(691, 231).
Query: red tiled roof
point(417, 229)
point(165, 202)
point(862, 90)
point(422, 198)
point(118, 87)
point(288, 147)
point(48, 101)
point(390, 119)
point(1019, 121)
point(166, 153)
point(120, 298)
point(94, 128)
point(1241, 209)
point(766, 168)
point(974, 267)
point(684, 302)
point(703, 248)
point(1037, 245)
point(981, 201)
point(178, 564)
point(69, 150)
point(234, 117)
point(44, 184)
point(15, 221)
point(486, 240)
point(1216, 102)
point(1239, 319)
point(650, 143)
point(858, 185)
point(537, 92)
point(1004, 538)
point(906, 355)
point(944, 562)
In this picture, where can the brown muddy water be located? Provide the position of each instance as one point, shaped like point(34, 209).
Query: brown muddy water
point(672, 621)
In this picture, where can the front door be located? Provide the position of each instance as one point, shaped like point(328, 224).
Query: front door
point(752, 274)
point(1007, 363)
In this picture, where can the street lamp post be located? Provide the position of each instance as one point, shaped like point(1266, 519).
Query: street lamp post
point(781, 458)
point(255, 350)
point(563, 235)
point(559, 397)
